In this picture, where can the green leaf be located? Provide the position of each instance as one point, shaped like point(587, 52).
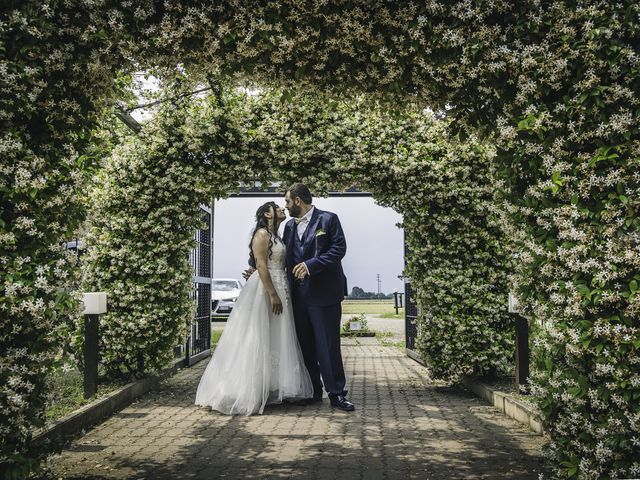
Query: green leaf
point(584, 290)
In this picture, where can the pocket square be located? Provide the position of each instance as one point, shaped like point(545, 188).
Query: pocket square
point(320, 232)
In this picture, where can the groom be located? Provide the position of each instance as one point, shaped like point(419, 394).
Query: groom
point(315, 246)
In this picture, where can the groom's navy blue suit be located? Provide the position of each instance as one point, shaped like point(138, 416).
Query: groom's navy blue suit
point(317, 300)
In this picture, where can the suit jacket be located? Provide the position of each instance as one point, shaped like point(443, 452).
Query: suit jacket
point(323, 248)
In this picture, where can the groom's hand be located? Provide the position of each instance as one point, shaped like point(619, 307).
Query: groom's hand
point(300, 271)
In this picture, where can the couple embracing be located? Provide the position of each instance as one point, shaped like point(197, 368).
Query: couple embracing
point(283, 334)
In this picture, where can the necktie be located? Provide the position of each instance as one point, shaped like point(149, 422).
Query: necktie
point(301, 220)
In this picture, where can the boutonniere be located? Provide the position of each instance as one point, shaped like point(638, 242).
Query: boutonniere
point(320, 232)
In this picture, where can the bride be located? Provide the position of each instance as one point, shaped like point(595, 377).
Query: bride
point(258, 359)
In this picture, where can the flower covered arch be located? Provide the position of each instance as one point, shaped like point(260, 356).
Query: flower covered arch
point(208, 147)
point(553, 85)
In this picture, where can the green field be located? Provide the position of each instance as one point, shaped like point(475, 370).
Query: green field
point(215, 336)
point(384, 308)
point(373, 307)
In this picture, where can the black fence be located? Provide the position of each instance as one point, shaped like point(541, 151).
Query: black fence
point(410, 317)
point(198, 342)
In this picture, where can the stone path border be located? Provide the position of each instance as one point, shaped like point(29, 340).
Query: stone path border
point(505, 402)
point(93, 413)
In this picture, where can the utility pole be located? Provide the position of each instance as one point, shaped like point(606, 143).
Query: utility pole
point(379, 282)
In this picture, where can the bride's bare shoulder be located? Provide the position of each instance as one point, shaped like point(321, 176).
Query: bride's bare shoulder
point(261, 235)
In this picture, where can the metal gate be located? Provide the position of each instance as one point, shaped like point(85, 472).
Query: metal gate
point(410, 310)
point(410, 317)
point(199, 340)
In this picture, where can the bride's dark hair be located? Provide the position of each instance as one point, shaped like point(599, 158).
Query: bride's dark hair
point(263, 222)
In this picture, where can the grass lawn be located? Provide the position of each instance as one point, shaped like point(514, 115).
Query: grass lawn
point(215, 336)
point(374, 307)
point(66, 392)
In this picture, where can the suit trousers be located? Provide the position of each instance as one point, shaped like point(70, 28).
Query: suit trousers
point(318, 330)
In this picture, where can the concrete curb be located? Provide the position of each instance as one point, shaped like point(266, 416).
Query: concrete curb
point(357, 334)
point(506, 403)
point(96, 411)
point(413, 355)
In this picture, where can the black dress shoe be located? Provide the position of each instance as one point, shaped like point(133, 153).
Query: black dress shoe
point(339, 401)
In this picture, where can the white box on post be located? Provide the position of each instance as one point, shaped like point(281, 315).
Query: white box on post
point(95, 303)
point(514, 307)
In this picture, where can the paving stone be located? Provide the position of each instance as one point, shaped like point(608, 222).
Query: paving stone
point(405, 426)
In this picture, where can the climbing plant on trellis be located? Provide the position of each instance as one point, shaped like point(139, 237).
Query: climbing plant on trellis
point(442, 187)
point(553, 84)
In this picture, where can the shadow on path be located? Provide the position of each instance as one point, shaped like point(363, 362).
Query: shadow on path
point(405, 426)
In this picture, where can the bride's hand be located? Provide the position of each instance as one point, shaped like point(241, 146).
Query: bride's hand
point(276, 304)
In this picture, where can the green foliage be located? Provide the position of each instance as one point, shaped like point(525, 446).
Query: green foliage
point(569, 157)
point(554, 84)
point(144, 209)
point(47, 151)
point(457, 261)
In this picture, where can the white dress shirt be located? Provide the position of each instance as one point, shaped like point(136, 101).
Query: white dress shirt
point(302, 226)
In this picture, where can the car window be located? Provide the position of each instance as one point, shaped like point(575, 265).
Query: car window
point(225, 285)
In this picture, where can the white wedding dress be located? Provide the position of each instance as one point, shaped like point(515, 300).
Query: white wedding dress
point(258, 358)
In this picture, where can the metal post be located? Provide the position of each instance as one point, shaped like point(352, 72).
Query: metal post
point(395, 301)
point(410, 317)
point(522, 351)
point(90, 355)
point(187, 349)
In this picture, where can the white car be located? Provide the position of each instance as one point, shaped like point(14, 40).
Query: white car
point(224, 293)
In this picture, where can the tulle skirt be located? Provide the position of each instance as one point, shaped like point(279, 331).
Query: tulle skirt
point(258, 359)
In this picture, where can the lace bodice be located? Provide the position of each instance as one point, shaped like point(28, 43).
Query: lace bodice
point(276, 265)
point(278, 254)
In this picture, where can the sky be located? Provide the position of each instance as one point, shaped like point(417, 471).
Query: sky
point(374, 242)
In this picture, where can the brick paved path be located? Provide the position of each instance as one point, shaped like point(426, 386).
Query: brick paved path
point(405, 426)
